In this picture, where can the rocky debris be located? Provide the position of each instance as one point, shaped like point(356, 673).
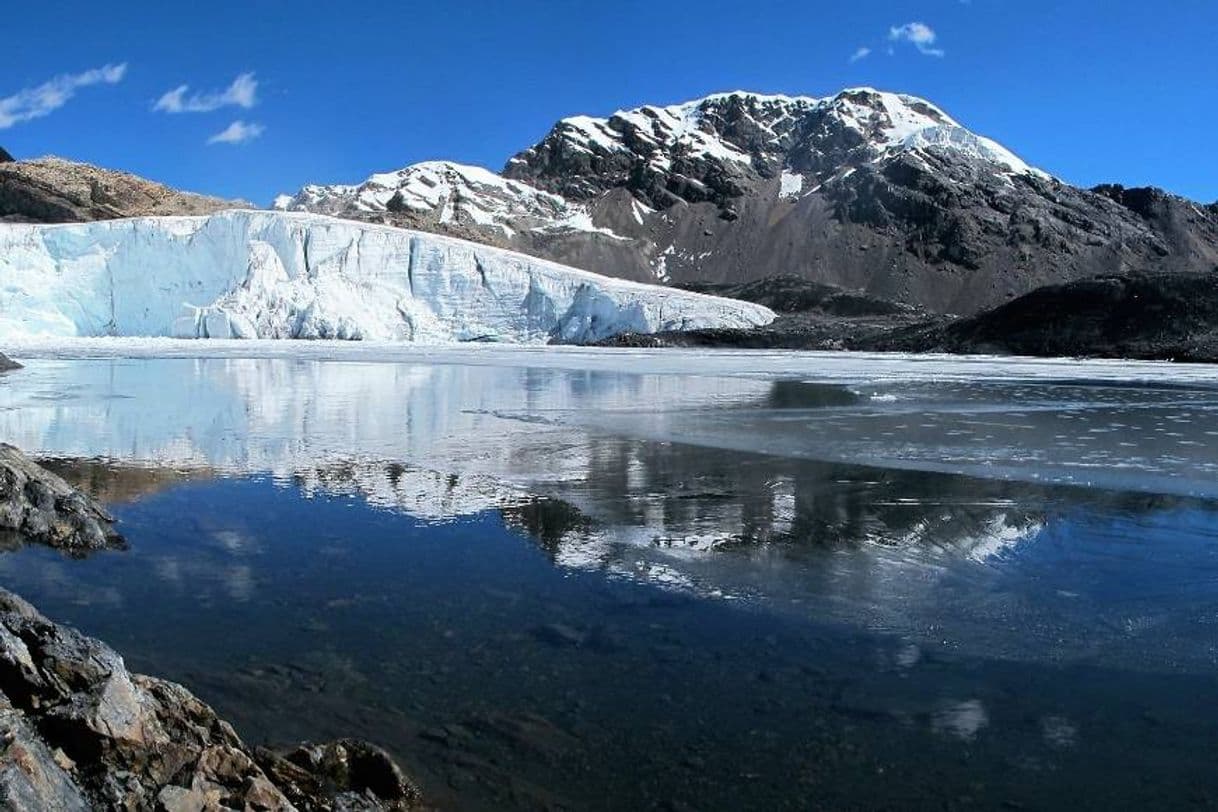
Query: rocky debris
point(810, 332)
point(792, 294)
point(812, 316)
point(40, 507)
point(8, 364)
point(53, 190)
point(1152, 316)
point(1148, 316)
point(78, 731)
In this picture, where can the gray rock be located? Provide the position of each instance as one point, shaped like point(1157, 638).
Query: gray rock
point(8, 364)
point(1152, 316)
point(78, 731)
point(52, 190)
point(38, 506)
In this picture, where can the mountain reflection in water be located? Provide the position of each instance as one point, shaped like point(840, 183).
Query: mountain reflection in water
point(553, 587)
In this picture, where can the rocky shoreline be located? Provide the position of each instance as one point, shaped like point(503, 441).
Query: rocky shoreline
point(79, 731)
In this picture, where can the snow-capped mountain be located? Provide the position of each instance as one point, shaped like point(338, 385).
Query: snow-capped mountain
point(442, 193)
point(865, 189)
point(705, 149)
point(259, 274)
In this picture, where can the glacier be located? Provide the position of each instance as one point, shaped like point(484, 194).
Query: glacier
point(278, 275)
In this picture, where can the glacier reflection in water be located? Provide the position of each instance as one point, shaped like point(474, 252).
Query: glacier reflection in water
point(888, 571)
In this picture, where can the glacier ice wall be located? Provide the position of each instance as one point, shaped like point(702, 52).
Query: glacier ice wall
point(260, 274)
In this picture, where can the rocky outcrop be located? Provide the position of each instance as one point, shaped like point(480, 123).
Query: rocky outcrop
point(79, 731)
point(811, 316)
point(40, 507)
point(1142, 315)
point(52, 190)
point(1148, 316)
point(4, 156)
point(8, 364)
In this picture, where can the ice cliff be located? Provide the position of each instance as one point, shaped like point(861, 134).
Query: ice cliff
point(259, 274)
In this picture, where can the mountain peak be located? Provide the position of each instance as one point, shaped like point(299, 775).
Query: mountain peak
point(708, 148)
point(865, 189)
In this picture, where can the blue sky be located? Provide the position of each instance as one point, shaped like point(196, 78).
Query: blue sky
point(1122, 90)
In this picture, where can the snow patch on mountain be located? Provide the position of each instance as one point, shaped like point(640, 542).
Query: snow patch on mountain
point(250, 274)
point(790, 184)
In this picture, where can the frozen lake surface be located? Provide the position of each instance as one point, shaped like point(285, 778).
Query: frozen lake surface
point(719, 579)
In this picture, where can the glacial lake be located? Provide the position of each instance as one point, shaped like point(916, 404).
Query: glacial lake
point(631, 580)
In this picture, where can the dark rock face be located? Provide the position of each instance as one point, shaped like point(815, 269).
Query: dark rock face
point(81, 732)
point(4, 156)
point(38, 506)
point(51, 190)
point(1150, 316)
point(8, 364)
point(1141, 315)
point(811, 316)
point(791, 294)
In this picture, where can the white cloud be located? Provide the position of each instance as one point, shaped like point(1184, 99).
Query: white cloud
point(920, 35)
point(36, 102)
point(237, 133)
point(861, 53)
point(243, 92)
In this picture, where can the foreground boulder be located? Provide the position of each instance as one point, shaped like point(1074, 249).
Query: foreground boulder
point(78, 731)
point(38, 506)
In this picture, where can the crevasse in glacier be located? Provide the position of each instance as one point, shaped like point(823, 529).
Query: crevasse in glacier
point(247, 274)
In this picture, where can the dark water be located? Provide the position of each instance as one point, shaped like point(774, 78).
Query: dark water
point(544, 588)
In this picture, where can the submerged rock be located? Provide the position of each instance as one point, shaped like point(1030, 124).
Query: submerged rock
point(78, 731)
point(39, 506)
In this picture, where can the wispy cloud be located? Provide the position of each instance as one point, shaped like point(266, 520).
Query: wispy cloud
point(46, 98)
point(243, 92)
point(919, 35)
point(861, 53)
point(237, 133)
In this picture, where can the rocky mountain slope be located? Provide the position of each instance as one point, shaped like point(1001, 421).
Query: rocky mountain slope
point(52, 190)
point(878, 192)
point(1166, 316)
point(1160, 316)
